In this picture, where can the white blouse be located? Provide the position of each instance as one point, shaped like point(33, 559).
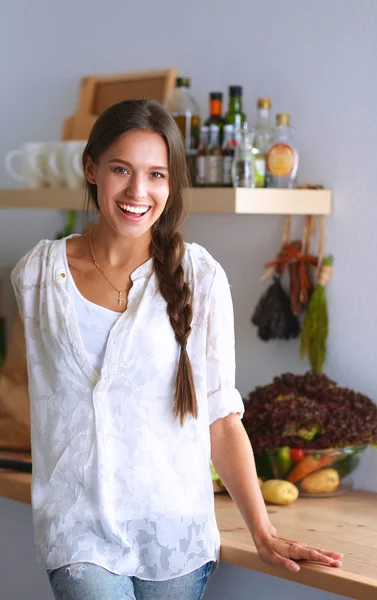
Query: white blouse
point(94, 321)
point(116, 480)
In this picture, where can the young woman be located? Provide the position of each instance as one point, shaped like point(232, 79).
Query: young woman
point(130, 347)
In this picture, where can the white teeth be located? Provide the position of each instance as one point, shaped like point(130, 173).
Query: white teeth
point(138, 210)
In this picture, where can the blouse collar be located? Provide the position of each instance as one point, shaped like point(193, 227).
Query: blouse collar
point(144, 270)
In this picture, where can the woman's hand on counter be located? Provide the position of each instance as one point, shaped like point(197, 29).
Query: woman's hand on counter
point(279, 552)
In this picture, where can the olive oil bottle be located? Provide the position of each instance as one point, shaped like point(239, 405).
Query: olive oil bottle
point(235, 116)
point(185, 111)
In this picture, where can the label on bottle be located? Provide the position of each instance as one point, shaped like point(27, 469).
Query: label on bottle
point(227, 170)
point(281, 160)
point(213, 170)
point(260, 170)
point(201, 170)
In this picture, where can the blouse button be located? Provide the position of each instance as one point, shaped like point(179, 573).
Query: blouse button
point(62, 275)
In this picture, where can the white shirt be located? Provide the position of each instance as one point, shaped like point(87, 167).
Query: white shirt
point(94, 321)
point(116, 480)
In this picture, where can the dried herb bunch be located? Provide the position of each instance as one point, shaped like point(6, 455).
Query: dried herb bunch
point(308, 411)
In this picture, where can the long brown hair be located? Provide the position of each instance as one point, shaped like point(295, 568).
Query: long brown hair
point(167, 245)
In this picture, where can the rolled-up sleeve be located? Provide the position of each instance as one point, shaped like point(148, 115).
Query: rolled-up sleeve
point(223, 397)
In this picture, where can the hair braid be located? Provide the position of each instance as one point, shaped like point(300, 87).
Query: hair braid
point(168, 257)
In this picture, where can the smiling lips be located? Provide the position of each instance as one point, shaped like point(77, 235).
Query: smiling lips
point(134, 209)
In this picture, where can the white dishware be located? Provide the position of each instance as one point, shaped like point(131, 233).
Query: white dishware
point(55, 172)
point(34, 164)
point(65, 163)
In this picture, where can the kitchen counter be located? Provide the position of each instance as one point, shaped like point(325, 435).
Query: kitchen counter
point(345, 523)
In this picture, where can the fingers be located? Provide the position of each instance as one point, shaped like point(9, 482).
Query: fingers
point(299, 552)
point(283, 553)
point(332, 554)
point(291, 565)
point(335, 555)
point(277, 560)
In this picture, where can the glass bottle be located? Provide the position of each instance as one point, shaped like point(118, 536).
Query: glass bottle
point(235, 116)
point(186, 113)
point(201, 157)
point(213, 159)
point(282, 157)
point(262, 141)
point(227, 152)
point(215, 113)
point(243, 164)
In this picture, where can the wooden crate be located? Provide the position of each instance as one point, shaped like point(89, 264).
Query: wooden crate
point(99, 92)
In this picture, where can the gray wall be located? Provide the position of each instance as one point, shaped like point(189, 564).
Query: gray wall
point(316, 61)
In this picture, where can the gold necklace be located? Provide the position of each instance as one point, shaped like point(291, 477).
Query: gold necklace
point(120, 292)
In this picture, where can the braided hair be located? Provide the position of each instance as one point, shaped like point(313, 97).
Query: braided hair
point(167, 244)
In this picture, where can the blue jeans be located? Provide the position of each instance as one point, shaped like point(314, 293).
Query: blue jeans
point(87, 581)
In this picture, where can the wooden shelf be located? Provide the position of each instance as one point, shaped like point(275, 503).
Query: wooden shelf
point(261, 201)
point(203, 200)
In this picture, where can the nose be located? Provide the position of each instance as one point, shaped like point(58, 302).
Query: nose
point(136, 187)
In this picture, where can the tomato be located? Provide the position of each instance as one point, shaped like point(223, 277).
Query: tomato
point(297, 454)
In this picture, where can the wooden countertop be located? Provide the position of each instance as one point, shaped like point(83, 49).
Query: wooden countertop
point(346, 524)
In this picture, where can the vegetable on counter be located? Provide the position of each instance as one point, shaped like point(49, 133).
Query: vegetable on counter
point(308, 465)
point(322, 482)
point(277, 491)
point(309, 412)
point(297, 454)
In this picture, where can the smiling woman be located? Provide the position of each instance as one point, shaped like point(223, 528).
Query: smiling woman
point(136, 170)
point(127, 176)
point(130, 348)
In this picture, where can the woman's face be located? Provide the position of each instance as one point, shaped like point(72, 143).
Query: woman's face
point(132, 181)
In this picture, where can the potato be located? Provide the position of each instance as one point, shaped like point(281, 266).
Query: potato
point(278, 491)
point(321, 482)
point(260, 481)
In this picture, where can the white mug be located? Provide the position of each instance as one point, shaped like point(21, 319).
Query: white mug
point(65, 164)
point(55, 174)
point(34, 164)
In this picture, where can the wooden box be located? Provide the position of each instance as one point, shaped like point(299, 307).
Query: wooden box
point(99, 92)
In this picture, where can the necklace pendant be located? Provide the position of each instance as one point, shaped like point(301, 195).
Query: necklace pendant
point(120, 299)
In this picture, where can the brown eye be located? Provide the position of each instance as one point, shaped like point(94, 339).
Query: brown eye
point(121, 170)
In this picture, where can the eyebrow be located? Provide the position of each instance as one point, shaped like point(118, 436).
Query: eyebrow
point(124, 162)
